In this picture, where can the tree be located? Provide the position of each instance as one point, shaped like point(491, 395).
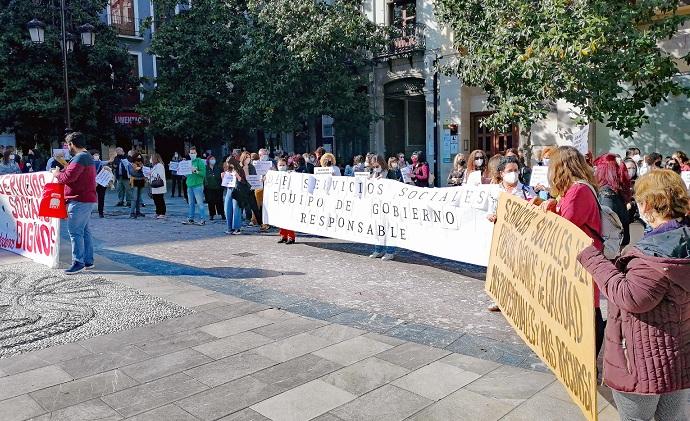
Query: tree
point(262, 64)
point(602, 56)
point(31, 85)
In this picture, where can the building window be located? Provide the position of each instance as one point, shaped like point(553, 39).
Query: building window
point(327, 126)
point(402, 14)
point(133, 96)
point(123, 17)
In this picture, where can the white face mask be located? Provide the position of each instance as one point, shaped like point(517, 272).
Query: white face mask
point(96, 158)
point(478, 162)
point(636, 158)
point(282, 168)
point(264, 157)
point(377, 170)
point(510, 178)
point(546, 162)
point(192, 155)
point(644, 169)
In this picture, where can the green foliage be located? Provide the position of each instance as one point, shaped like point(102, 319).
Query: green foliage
point(261, 64)
point(602, 56)
point(31, 85)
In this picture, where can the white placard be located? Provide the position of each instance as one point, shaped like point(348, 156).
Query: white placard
point(685, 175)
point(432, 221)
point(22, 231)
point(229, 180)
point(406, 171)
point(147, 171)
point(104, 178)
point(184, 167)
point(474, 178)
point(255, 181)
point(173, 165)
point(580, 140)
point(65, 151)
point(323, 171)
point(540, 175)
point(262, 167)
point(364, 174)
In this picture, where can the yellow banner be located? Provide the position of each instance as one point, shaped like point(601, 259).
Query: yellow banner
point(547, 296)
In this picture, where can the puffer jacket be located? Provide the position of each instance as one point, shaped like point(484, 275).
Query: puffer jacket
point(648, 330)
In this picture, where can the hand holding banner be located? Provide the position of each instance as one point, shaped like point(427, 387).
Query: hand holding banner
point(546, 294)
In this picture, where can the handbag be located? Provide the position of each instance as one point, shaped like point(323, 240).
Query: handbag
point(157, 182)
point(52, 203)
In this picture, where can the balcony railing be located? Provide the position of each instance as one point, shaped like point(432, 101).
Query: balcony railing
point(405, 40)
point(127, 26)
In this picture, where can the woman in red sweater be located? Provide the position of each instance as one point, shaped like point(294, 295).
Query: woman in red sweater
point(420, 170)
point(572, 183)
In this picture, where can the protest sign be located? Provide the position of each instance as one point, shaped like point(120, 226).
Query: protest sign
point(229, 180)
point(685, 175)
point(173, 166)
point(474, 178)
point(22, 231)
point(540, 175)
point(64, 151)
point(255, 181)
point(580, 140)
point(262, 167)
point(323, 171)
point(545, 294)
point(147, 171)
point(104, 178)
point(184, 168)
point(432, 221)
point(406, 171)
point(364, 174)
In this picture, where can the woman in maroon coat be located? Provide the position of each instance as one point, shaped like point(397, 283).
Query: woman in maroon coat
point(647, 352)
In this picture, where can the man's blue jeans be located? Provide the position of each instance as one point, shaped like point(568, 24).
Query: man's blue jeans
point(78, 216)
point(196, 197)
point(233, 215)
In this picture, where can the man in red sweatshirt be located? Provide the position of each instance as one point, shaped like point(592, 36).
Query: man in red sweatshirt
point(79, 179)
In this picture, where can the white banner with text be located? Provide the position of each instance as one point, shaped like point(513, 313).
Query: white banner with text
point(446, 222)
point(22, 231)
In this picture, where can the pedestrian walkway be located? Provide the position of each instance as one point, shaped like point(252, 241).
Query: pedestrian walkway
point(234, 359)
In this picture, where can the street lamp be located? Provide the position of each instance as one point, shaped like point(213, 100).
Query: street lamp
point(88, 36)
point(37, 32)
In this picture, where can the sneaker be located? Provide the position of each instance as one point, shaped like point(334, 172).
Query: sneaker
point(89, 266)
point(264, 228)
point(211, 218)
point(494, 308)
point(388, 256)
point(290, 241)
point(237, 232)
point(143, 205)
point(375, 255)
point(75, 268)
point(202, 223)
point(188, 222)
point(160, 217)
point(282, 240)
point(228, 232)
point(119, 204)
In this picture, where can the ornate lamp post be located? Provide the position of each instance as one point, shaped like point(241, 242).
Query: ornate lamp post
point(37, 32)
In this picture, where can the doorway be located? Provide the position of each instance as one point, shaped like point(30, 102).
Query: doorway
point(405, 116)
point(492, 142)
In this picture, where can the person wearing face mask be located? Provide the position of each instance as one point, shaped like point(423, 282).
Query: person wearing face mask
point(195, 189)
point(318, 154)
point(328, 160)
point(394, 172)
point(253, 208)
point(214, 190)
point(614, 189)
point(158, 185)
point(8, 165)
point(358, 164)
point(457, 174)
point(633, 211)
point(233, 212)
point(176, 179)
point(79, 179)
point(647, 352)
point(420, 170)
point(100, 190)
point(28, 162)
point(286, 236)
point(508, 180)
point(477, 162)
point(120, 167)
point(379, 169)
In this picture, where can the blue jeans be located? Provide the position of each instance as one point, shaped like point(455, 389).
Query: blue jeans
point(78, 216)
point(384, 249)
point(233, 214)
point(135, 209)
point(196, 197)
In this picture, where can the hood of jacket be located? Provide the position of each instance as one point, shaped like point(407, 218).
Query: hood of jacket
point(669, 253)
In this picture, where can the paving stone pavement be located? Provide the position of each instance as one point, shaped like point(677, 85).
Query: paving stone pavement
point(254, 351)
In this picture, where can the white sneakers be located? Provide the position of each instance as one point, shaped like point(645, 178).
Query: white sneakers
point(387, 256)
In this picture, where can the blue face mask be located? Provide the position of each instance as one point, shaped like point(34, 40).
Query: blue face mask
point(212, 162)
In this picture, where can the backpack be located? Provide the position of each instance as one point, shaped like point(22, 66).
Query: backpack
point(611, 228)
